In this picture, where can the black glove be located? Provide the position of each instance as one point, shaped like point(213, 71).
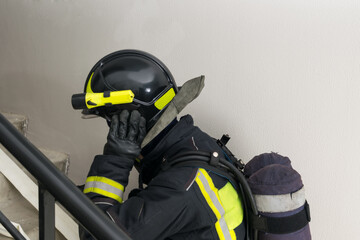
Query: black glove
point(125, 134)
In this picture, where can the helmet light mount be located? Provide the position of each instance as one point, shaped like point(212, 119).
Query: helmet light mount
point(108, 98)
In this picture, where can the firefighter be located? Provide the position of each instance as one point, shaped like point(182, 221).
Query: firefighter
point(137, 95)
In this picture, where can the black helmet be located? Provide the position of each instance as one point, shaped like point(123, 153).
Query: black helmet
point(150, 83)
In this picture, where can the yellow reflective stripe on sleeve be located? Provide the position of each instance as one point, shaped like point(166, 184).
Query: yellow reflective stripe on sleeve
point(104, 186)
point(165, 99)
point(105, 180)
point(104, 193)
point(88, 87)
point(210, 193)
point(232, 205)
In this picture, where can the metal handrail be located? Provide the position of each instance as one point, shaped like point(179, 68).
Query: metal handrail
point(10, 227)
point(56, 183)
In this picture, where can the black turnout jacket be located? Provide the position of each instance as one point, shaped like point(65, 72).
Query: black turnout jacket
point(178, 203)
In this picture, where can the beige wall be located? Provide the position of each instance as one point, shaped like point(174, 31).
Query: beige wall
point(282, 76)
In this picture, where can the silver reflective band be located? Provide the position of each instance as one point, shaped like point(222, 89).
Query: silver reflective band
point(105, 187)
point(217, 204)
point(280, 203)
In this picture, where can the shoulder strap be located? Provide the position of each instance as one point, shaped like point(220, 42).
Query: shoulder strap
point(216, 170)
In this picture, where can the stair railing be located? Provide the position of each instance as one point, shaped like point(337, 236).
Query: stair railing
point(54, 186)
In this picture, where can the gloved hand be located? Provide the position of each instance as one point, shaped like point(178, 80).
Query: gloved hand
point(126, 133)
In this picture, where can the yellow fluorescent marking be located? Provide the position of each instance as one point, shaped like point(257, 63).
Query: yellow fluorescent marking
point(165, 99)
point(88, 87)
point(207, 197)
point(232, 205)
point(233, 235)
point(105, 180)
point(104, 193)
point(219, 231)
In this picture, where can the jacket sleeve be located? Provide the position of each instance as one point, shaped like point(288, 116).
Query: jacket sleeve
point(105, 183)
point(108, 177)
point(155, 212)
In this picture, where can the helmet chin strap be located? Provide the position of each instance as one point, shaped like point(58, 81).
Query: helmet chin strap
point(187, 93)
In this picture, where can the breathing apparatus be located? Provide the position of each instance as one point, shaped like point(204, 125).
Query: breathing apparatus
point(127, 79)
point(280, 222)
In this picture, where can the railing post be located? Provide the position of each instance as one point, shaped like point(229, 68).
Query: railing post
point(46, 214)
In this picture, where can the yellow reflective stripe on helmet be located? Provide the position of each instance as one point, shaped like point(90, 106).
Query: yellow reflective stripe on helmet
point(88, 87)
point(231, 202)
point(93, 100)
point(104, 186)
point(165, 99)
point(210, 193)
